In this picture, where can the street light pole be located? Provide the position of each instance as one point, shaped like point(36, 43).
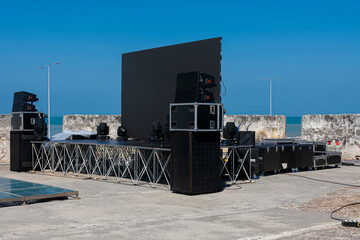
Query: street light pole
point(48, 68)
point(270, 79)
point(270, 97)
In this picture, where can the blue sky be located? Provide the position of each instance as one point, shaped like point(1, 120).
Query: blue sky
point(313, 46)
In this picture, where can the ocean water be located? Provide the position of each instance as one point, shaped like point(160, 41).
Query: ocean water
point(293, 126)
point(56, 125)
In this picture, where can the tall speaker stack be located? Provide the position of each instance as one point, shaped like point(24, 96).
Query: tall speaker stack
point(27, 124)
point(195, 125)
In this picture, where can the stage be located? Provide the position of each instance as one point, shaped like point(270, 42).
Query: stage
point(132, 162)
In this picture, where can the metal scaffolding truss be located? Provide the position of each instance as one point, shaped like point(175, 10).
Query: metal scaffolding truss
point(233, 163)
point(123, 162)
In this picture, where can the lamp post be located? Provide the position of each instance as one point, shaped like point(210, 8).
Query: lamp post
point(270, 79)
point(48, 68)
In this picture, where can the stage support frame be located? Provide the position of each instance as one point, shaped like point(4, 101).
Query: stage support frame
point(124, 163)
point(230, 155)
point(120, 161)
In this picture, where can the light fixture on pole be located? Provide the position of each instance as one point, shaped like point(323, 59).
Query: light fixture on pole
point(270, 79)
point(48, 68)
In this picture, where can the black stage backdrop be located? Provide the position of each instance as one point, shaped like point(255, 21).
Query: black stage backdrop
point(148, 80)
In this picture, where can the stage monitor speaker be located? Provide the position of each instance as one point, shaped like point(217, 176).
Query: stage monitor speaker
point(20, 150)
point(195, 162)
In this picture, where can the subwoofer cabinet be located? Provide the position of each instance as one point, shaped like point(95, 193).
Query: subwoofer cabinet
point(195, 162)
point(21, 150)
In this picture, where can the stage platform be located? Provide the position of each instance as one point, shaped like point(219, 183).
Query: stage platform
point(140, 144)
point(12, 190)
point(125, 161)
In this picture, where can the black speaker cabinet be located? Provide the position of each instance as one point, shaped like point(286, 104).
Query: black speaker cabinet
point(195, 162)
point(246, 138)
point(194, 87)
point(20, 150)
point(23, 101)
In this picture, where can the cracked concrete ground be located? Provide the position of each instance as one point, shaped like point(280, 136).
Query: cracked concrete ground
point(261, 210)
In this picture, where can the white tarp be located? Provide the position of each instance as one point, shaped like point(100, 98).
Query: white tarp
point(68, 133)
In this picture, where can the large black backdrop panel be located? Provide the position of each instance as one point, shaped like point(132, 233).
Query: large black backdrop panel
point(149, 80)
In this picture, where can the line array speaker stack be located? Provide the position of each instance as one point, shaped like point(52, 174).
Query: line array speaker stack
point(26, 125)
point(195, 125)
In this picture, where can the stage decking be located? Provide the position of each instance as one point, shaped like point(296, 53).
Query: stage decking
point(12, 190)
point(139, 144)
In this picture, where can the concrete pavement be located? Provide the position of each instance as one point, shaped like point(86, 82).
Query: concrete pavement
point(260, 210)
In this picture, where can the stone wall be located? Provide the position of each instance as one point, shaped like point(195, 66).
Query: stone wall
point(78, 122)
point(344, 127)
point(265, 126)
point(4, 138)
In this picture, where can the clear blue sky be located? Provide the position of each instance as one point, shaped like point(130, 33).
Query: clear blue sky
point(314, 46)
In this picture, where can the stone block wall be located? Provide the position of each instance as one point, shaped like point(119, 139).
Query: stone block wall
point(78, 122)
point(344, 127)
point(265, 126)
point(4, 138)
